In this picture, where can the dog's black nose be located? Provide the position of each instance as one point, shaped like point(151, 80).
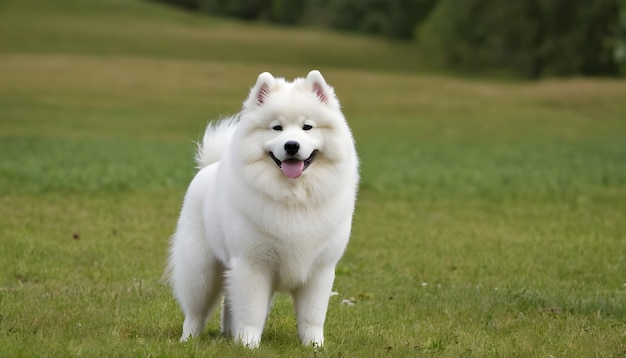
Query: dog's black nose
point(292, 147)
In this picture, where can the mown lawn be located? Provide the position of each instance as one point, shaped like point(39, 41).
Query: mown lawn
point(490, 220)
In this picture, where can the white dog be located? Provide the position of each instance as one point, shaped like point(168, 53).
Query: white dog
point(270, 210)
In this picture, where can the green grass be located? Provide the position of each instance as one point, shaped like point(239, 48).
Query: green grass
point(490, 220)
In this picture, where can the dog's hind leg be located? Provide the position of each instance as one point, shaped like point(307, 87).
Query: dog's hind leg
point(197, 281)
point(201, 298)
point(227, 318)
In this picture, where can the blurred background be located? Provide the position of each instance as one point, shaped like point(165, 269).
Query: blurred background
point(532, 39)
point(492, 139)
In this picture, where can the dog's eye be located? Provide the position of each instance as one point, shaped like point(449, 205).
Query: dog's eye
point(307, 127)
point(277, 128)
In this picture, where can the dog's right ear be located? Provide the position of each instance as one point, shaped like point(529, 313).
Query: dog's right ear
point(261, 90)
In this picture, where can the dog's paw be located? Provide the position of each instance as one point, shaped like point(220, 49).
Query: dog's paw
point(313, 338)
point(249, 338)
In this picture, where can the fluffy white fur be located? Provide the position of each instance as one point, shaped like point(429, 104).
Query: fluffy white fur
point(246, 229)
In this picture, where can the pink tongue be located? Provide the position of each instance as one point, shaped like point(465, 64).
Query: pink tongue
point(292, 168)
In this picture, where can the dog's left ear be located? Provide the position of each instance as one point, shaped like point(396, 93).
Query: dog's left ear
point(318, 85)
point(261, 90)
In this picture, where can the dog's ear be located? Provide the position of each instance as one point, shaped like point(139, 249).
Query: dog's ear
point(320, 88)
point(261, 90)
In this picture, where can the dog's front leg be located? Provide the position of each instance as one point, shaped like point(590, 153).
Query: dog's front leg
point(249, 292)
point(311, 303)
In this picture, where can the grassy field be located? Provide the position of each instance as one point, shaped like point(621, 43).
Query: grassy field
point(490, 220)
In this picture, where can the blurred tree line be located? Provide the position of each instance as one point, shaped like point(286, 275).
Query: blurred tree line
point(532, 38)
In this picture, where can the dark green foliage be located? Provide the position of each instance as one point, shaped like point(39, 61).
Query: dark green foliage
point(366, 16)
point(390, 18)
point(533, 38)
point(287, 11)
point(187, 4)
point(280, 11)
point(395, 18)
point(620, 40)
point(243, 9)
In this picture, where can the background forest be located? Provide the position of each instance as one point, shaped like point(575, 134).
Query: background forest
point(534, 38)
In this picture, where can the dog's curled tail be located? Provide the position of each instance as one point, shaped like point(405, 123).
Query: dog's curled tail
point(216, 138)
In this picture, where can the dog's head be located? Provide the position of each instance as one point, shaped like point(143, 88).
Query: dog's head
point(292, 133)
point(294, 120)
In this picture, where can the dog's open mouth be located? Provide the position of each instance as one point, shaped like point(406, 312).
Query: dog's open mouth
point(292, 167)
